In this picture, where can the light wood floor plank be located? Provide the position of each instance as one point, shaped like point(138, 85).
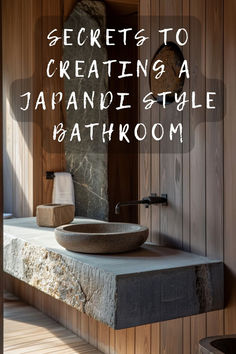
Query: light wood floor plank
point(26, 330)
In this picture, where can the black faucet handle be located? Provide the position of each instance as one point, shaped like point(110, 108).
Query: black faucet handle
point(155, 199)
point(152, 199)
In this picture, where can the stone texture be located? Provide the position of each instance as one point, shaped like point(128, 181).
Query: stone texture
point(218, 345)
point(172, 58)
point(87, 160)
point(123, 290)
point(101, 238)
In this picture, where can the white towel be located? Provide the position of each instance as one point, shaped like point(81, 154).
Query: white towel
point(63, 189)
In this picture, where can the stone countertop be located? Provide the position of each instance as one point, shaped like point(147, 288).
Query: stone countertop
point(148, 285)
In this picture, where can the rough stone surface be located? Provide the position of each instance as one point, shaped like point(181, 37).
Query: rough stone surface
point(122, 290)
point(87, 160)
point(218, 345)
point(172, 58)
point(101, 238)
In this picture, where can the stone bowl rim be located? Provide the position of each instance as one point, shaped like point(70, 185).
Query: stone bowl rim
point(140, 228)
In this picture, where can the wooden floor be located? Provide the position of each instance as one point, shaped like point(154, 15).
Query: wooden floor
point(26, 330)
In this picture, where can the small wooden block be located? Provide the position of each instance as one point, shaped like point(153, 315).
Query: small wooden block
point(53, 215)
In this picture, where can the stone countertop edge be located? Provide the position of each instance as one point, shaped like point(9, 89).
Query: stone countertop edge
point(112, 294)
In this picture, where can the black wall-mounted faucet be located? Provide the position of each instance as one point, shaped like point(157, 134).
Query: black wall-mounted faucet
point(152, 199)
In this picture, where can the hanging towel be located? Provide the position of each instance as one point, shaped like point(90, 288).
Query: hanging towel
point(63, 189)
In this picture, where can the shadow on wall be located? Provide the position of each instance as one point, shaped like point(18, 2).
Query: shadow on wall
point(15, 200)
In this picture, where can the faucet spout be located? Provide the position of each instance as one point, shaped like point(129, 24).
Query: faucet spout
point(152, 199)
point(132, 202)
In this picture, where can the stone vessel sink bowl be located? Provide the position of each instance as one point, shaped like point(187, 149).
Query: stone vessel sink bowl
point(218, 345)
point(101, 237)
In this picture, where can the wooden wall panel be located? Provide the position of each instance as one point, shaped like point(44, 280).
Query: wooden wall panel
point(186, 142)
point(230, 165)
point(37, 126)
point(104, 335)
point(172, 329)
point(28, 147)
point(144, 117)
point(121, 341)
point(214, 144)
point(17, 128)
point(27, 71)
point(197, 129)
point(155, 118)
point(198, 150)
point(130, 341)
point(9, 75)
point(52, 151)
point(68, 6)
point(197, 201)
point(170, 169)
point(214, 129)
point(143, 339)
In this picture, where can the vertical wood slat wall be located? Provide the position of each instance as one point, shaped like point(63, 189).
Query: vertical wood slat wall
point(198, 199)
point(17, 128)
point(29, 150)
point(194, 218)
point(199, 195)
point(229, 165)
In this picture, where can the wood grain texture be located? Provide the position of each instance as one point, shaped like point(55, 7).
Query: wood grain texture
point(186, 143)
point(93, 331)
point(214, 129)
point(130, 340)
point(68, 6)
point(37, 121)
point(200, 202)
point(155, 118)
point(198, 151)
point(27, 330)
point(155, 338)
point(144, 117)
point(187, 335)
point(198, 130)
point(112, 344)
point(214, 144)
point(143, 339)
point(171, 179)
point(53, 151)
point(172, 330)
point(229, 165)
point(104, 338)
point(170, 152)
point(28, 148)
point(198, 331)
point(17, 127)
point(121, 341)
